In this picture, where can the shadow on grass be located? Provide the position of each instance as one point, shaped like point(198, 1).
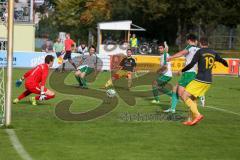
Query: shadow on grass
point(62, 109)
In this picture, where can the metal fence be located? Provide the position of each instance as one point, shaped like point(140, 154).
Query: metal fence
point(225, 42)
point(225, 38)
point(23, 12)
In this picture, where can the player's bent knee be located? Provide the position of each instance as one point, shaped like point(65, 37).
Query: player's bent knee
point(77, 73)
point(175, 88)
point(180, 91)
point(82, 75)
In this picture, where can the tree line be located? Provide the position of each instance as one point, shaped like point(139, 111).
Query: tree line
point(163, 19)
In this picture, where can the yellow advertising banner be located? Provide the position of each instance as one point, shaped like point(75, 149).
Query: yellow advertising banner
point(147, 63)
point(177, 64)
point(152, 63)
point(218, 68)
point(147, 59)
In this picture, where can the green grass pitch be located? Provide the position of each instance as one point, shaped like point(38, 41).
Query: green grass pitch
point(45, 137)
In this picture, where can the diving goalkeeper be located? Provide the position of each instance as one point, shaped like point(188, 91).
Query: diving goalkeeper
point(35, 80)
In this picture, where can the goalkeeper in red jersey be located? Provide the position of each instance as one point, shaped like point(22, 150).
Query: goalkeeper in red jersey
point(35, 80)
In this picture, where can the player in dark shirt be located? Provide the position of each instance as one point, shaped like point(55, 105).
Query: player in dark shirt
point(205, 58)
point(126, 68)
point(128, 63)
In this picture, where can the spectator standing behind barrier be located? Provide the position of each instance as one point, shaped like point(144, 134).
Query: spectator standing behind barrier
point(58, 48)
point(82, 49)
point(47, 46)
point(69, 45)
point(134, 44)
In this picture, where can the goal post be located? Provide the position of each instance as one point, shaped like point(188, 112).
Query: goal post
point(8, 100)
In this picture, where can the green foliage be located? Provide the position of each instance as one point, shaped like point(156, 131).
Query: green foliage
point(140, 11)
point(162, 18)
point(75, 17)
point(47, 28)
point(209, 13)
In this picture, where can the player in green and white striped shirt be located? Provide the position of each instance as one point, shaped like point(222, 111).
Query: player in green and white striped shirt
point(186, 77)
point(164, 75)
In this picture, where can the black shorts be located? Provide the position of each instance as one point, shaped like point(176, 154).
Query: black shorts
point(58, 54)
point(68, 55)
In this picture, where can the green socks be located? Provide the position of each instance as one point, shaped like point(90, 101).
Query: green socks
point(84, 82)
point(174, 101)
point(155, 93)
point(79, 80)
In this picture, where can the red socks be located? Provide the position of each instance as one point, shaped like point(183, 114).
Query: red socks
point(24, 94)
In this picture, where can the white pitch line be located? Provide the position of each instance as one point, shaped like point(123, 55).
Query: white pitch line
point(223, 110)
point(17, 145)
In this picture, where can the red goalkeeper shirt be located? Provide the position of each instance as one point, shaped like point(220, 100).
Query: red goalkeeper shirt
point(37, 76)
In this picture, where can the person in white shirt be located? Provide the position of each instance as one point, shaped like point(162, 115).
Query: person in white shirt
point(82, 49)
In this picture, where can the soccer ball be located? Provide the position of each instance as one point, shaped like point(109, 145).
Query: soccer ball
point(111, 93)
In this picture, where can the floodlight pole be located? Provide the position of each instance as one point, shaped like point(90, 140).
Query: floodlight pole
point(9, 63)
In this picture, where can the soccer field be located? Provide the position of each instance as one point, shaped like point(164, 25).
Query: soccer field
point(120, 134)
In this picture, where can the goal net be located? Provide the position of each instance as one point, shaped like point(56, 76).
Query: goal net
point(2, 96)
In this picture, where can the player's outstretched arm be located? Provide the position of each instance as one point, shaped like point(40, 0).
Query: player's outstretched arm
point(221, 60)
point(28, 73)
point(19, 82)
point(177, 55)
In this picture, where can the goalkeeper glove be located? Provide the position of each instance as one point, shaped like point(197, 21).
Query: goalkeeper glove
point(19, 82)
point(42, 96)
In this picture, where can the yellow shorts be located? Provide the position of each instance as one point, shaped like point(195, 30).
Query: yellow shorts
point(122, 73)
point(197, 89)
